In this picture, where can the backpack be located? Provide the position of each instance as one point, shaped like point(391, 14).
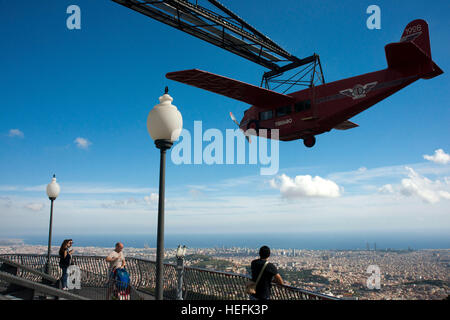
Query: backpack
point(123, 279)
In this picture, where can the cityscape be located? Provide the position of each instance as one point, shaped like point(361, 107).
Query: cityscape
point(404, 274)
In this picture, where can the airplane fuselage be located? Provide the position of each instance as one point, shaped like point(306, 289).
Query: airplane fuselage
point(322, 108)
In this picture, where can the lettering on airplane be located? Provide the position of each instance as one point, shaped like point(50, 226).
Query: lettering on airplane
point(412, 33)
point(359, 91)
point(413, 29)
point(283, 122)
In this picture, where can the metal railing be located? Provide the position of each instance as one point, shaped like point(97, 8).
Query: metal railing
point(20, 271)
point(19, 287)
point(198, 283)
point(35, 289)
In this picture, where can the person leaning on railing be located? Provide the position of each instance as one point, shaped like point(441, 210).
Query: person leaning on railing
point(270, 273)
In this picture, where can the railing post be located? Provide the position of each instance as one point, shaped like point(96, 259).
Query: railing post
point(180, 273)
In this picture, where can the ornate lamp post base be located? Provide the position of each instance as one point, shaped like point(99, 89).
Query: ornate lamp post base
point(163, 145)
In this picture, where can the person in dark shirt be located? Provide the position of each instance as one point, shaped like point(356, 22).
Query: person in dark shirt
point(270, 272)
point(65, 255)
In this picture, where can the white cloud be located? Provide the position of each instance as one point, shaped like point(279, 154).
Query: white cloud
point(132, 203)
point(305, 186)
point(195, 193)
point(5, 202)
point(234, 203)
point(384, 175)
point(88, 188)
point(439, 157)
point(428, 190)
point(153, 198)
point(82, 143)
point(8, 188)
point(364, 175)
point(34, 206)
point(419, 186)
point(235, 208)
point(387, 189)
point(15, 133)
point(120, 203)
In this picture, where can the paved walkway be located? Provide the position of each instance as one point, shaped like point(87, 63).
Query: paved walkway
point(100, 293)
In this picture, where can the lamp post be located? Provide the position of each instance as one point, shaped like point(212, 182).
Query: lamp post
point(52, 193)
point(181, 252)
point(164, 124)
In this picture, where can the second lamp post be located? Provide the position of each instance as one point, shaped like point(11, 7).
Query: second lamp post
point(164, 124)
point(52, 193)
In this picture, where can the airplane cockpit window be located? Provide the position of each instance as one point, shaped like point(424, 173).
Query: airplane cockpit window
point(302, 105)
point(283, 111)
point(266, 115)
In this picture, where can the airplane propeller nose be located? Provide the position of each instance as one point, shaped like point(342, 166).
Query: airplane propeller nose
point(237, 123)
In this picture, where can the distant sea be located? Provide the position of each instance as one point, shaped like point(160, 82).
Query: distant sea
point(310, 241)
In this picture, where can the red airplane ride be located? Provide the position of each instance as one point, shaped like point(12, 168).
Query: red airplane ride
point(319, 109)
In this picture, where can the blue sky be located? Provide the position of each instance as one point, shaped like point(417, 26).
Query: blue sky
point(100, 82)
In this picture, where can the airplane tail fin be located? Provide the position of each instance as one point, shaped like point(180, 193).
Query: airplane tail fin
point(417, 33)
point(413, 51)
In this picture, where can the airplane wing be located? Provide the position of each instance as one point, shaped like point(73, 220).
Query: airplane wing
point(346, 125)
point(231, 88)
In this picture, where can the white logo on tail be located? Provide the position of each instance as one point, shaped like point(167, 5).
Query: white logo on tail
point(411, 37)
point(359, 91)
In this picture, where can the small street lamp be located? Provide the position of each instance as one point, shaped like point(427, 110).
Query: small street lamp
point(181, 252)
point(53, 190)
point(164, 124)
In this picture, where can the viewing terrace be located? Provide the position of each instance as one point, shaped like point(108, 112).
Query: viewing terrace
point(22, 277)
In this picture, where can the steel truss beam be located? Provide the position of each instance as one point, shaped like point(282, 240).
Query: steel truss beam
point(223, 28)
